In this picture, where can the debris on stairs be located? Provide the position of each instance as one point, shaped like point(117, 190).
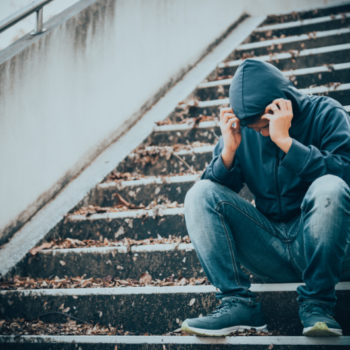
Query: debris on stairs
point(119, 272)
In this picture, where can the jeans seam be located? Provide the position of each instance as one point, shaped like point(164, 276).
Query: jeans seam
point(248, 216)
point(293, 264)
point(234, 263)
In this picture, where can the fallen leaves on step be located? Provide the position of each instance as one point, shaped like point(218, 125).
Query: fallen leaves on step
point(45, 245)
point(145, 278)
point(21, 327)
point(21, 283)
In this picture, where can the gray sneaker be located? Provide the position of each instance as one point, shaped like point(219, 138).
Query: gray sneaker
point(233, 314)
point(318, 321)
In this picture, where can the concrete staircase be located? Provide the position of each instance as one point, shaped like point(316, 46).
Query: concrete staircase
point(119, 272)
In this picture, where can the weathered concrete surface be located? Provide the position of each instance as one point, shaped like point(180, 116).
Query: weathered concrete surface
point(154, 313)
point(302, 28)
point(311, 59)
point(142, 193)
point(300, 82)
point(27, 106)
point(147, 225)
point(317, 11)
point(311, 40)
point(173, 342)
point(146, 193)
point(178, 261)
point(194, 134)
point(166, 162)
point(73, 87)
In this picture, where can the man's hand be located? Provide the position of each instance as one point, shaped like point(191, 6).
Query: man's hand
point(280, 122)
point(231, 133)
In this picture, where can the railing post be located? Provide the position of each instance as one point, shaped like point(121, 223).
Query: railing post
point(35, 6)
point(39, 22)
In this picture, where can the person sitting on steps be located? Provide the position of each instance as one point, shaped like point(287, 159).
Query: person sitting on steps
point(292, 151)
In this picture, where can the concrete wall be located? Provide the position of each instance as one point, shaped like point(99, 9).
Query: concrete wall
point(65, 95)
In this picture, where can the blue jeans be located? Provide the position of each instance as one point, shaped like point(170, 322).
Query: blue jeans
point(228, 231)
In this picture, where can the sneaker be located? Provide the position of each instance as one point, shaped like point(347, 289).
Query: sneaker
point(232, 315)
point(318, 320)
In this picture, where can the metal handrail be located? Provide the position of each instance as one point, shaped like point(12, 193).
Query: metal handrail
point(35, 6)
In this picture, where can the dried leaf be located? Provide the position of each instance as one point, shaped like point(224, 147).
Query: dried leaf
point(123, 201)
point(145, 278)
point(192, 301)
point(45, 245)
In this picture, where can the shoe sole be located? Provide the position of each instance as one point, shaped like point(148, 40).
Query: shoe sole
point(320, 329)
point(219, 332)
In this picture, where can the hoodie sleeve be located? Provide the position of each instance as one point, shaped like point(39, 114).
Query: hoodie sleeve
point(216, 170)
point(331, 157)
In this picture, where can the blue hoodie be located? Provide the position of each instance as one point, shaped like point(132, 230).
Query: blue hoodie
point(321, 142)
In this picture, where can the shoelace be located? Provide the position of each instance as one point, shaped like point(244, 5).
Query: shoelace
point(221, 309)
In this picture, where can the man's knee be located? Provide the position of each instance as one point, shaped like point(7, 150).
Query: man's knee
point(199, 193)
point(196, 208)
point(327, 190)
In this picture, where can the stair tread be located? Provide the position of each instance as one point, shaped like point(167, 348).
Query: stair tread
point(293, 38)
point(286, 73)
point(303, 22)
point(164, 339)
point(193, 289)
point(289, 55)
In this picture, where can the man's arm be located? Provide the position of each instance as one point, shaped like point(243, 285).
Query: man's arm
point(307, 161)
point(224, 167)
point(332, 156)
point(217, 171)
point(231, 135)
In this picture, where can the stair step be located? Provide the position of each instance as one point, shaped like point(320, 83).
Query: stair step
point(302, 22)
point(174, 121)
point(300, 26)
point(120, 342)
point(160, 258)
point(121, 262)
point(163, 189)
point(133, 223)
point(212, 107)
point(156, 313)
point(155, 160)
point(146, 191)
point(298, 59)
point(25, 283)
point(302, 78)
point(340, 92)
point(313, 13)
point(307, 72)
point(294, 42)
point(70, 327)
point(165, 135)
point(170, 134)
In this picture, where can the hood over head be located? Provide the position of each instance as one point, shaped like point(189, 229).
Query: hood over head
point(255, 85)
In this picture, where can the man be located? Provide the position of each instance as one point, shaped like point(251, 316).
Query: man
point(293, 152)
